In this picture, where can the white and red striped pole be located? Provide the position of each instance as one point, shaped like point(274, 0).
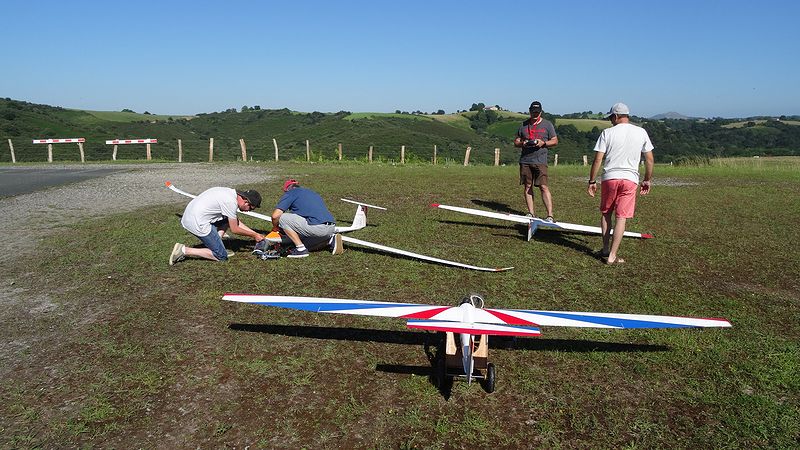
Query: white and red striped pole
point(116, 142)
point(50, 143)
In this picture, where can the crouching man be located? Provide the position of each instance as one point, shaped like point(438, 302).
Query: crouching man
point(302, 215)
point(209, 216)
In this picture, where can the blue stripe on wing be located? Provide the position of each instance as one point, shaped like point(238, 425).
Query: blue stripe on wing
point(610, 321)
point(334, 307)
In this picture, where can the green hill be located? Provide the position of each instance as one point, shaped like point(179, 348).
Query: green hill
point(675, 140)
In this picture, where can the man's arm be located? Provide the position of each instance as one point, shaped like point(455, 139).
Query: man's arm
point(237, 227)
point(649, 162)
point(276, 217)
point(552, 142)
point(598, 159)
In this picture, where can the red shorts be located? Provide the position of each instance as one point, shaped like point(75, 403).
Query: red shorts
point(618, 196)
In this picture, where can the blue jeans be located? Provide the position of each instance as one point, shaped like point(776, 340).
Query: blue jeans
point(213, 242)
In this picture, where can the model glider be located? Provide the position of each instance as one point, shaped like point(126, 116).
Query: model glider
point(474, 323)
point(359, 222)
point(536, 223)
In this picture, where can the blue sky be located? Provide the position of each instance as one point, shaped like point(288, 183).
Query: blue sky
point(700, 58)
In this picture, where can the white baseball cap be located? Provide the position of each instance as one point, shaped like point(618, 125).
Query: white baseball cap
point(619, 109)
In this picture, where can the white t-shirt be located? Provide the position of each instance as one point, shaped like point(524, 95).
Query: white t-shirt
point(211, 206)
point(623, 145)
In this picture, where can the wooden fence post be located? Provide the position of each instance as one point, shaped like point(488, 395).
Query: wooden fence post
point(80, 148)
point(244, 149)
point(210, 149)
point(402, 154)
point(434, 154)
point(585, 161)
point(555, 161)
point(340, 151)
point(180, 151)
point(149, 155)
point(275, 144)
point(369, 157)
point(11, 146)
point(496, 156)
point(308, 151)
point(466, 155)
point(114, 153)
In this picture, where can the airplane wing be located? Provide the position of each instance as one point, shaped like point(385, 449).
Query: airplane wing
point(423, 317)
point(601, 320)
point(451, 318)
point(536, 223)
point(397, 251)
point(349, 306)
point(358, 223)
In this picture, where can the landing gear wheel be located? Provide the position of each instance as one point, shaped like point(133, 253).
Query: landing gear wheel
point(488, 383)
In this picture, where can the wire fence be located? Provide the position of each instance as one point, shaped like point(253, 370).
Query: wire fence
point(226, 149)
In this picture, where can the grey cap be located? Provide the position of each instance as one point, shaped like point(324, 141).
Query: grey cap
point(619, 109)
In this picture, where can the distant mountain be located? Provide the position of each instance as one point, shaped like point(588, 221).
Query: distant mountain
point(670, 115)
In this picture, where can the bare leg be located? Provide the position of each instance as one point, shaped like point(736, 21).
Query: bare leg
point(605, 228)
point(291, 234)
point(199, 253)
point(616, 239)
point(527, 192)
point(547, 199)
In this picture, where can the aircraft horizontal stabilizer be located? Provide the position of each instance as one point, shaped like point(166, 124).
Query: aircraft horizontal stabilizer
point(473, 328)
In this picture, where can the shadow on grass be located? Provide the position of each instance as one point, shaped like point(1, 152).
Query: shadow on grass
point(498, 207)
point(433, 345)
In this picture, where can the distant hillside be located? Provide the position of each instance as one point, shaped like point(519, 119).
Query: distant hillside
point(676, 140)
point(670, 115)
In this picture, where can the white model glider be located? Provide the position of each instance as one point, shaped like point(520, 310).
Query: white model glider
point(359, 222)
point(474, 323)
point(536, 223)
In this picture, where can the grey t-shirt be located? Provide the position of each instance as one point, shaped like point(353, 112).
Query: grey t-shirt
point(544, 130)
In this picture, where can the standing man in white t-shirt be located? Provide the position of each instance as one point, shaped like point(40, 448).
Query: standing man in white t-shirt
point(209, 216)
point(622, 145)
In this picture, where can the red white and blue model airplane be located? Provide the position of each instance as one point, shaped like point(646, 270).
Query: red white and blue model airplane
point(535, 223)
point(474, 323)
point(359, 222)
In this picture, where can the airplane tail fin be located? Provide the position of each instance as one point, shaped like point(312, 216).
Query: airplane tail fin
point(360, 218)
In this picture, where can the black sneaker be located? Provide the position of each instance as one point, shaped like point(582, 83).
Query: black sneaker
point(295, 253)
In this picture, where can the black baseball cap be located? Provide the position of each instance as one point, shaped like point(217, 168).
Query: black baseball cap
point(252, 197)
point(536, 107)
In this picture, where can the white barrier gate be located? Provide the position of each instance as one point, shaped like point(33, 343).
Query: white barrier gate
point(117, 142)
point(50, 143)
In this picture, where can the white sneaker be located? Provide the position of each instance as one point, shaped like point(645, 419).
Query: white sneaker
point(178, 254)
point(337, 247)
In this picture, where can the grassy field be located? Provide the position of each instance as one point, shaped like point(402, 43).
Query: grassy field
point(119, 116)
point(140, 354)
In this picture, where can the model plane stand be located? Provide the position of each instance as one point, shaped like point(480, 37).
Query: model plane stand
point(451, 366)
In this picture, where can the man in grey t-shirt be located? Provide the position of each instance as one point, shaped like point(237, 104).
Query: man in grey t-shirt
point(534, 137)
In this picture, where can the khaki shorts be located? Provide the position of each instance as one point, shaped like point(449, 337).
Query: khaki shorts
point(535, 174)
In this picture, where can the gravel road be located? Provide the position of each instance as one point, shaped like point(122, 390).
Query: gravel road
point(30, 217)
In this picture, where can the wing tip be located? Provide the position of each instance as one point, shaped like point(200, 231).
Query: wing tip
point(167, 183)
point(647, 236)
point(435, 205)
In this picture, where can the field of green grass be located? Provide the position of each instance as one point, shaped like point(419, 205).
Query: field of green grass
point(119, 116)
point(142, 354)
